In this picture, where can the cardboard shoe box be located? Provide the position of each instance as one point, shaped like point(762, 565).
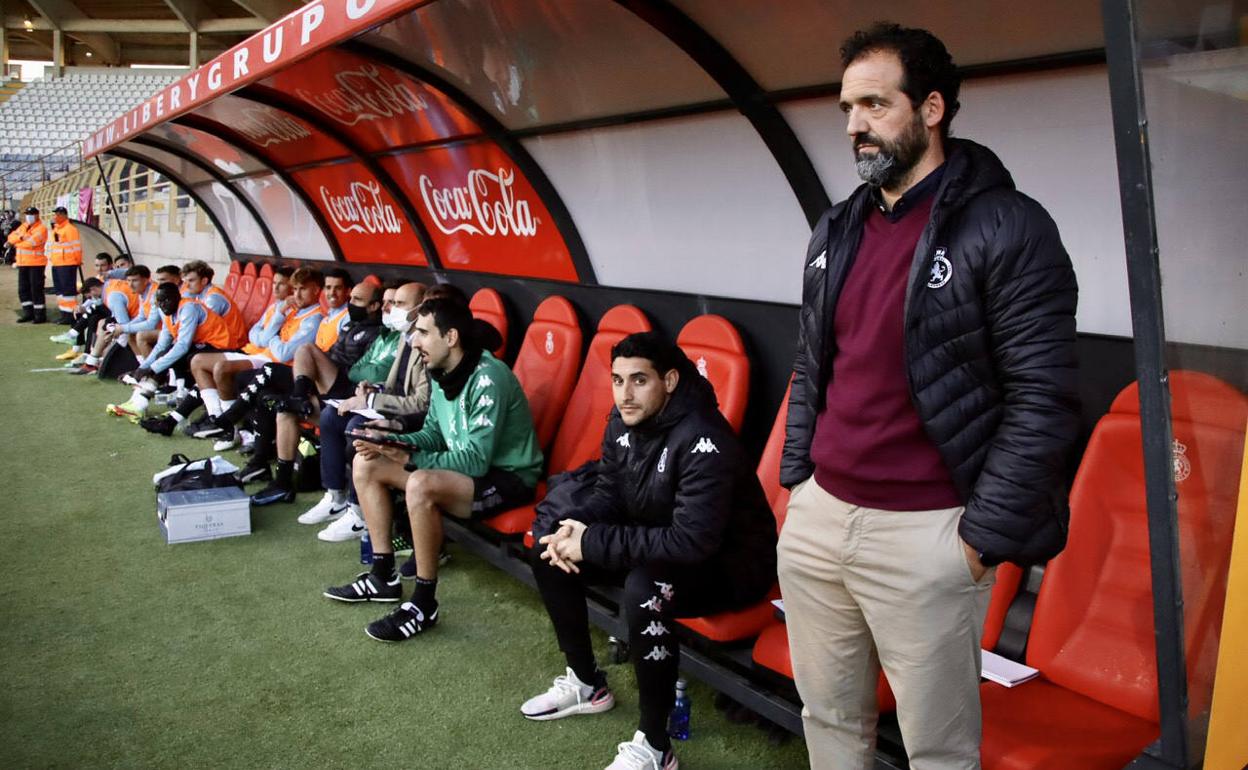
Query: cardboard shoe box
point(203, 514)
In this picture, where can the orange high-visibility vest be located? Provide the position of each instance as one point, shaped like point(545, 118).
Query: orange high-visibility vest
point(145, 302)
point(211, 331)
point(327, 333)
point(233, 319)
point(65, 248)
point(29, 241)
point(291, 325)
point(251, 349)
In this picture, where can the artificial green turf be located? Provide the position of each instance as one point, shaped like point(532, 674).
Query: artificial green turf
point(121, 651)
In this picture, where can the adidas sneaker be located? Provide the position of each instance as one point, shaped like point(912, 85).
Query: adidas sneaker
point(366, 587)
point(406, 621)
point(638, 754)
point(567, 697)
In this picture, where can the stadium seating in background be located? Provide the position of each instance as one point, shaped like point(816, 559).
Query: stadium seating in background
point(487, 305)
point(1095, 702)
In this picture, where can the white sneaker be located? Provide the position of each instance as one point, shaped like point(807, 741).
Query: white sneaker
point(566, 697)
point(65, 338)
point(227, 443)
point(638, 754)
point(349, 526)
point(325, 510)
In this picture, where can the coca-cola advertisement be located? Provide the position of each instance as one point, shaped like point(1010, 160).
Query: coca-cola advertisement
point(280, 135)
point(378, 106)
point(366, 220)
point(481, 212)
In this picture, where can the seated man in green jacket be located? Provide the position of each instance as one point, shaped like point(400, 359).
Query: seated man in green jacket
point(475, 456)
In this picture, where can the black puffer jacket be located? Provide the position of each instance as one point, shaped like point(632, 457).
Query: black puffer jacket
point(353, 341)
point(679, 489)
point(990, 351)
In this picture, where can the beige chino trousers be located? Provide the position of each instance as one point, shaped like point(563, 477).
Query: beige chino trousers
point(865, 588)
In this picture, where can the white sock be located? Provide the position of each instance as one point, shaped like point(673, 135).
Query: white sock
point(212, 401)
point(77, 348)
point(356, 510)
point(337, 496)
point(92, 360)
point(226, 403)
point(178, 418)
point(139, 401)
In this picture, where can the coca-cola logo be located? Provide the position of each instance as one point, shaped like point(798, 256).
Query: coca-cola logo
point(361, 210)
point(266, 126)
point(363, 94)
point(486, 205)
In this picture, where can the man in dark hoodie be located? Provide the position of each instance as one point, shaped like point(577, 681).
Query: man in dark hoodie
point(677, 515)
point(933, 413)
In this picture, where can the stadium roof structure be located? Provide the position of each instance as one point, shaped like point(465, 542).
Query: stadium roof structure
point(124, 32)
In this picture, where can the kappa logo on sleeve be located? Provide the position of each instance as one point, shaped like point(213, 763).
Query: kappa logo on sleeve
point(820, 261)
point(704, 446)
point(485, 401)
point(483, 422)
point(484, 381)
point(623, 440)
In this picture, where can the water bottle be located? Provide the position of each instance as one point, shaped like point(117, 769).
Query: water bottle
point(678, 722)
point(366, 549)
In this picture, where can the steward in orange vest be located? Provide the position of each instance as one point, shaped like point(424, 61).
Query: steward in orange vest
point(28, 240)
point(65, 252)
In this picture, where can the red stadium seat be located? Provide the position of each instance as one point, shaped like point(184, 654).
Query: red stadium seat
point(230, 283)
point(548, 362)
point(584, 422)
point(487, 305)
point(713, 344)
point(370, 278)
point(1095, 703)
point(246, 283)
point(261, 296)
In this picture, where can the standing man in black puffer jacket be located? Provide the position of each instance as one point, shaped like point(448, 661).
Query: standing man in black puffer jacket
point(678, 515)
point(934, 404)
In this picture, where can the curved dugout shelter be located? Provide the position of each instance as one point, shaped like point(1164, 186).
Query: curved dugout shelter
point(678, 151)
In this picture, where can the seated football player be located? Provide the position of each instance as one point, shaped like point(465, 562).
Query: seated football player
point(676, 515)
point(475, 455)
point(214, 372)
point(145, 329)
point(128, 300)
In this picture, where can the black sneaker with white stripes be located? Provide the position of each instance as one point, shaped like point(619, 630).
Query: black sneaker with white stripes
point(366, 587)
point(406, 621)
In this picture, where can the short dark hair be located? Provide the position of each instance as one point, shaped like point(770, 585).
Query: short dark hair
point(450, 314)
point(446, 290)
point(338, 272)
point(139, 270)
point(308, 275)
point(198, 267)
point(926, 64)
point(285, 270)
point(126, 257)
point(91, 283)
point(104, 255)
point(653, 347)
point(166, 292)
point(170, 270)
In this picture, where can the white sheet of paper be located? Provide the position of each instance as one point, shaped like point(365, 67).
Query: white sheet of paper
point(1006, 672)
point(371, 414)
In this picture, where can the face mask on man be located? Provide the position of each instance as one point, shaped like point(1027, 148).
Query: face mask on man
point(357, 313)
point(397, 320)
point(30, 219)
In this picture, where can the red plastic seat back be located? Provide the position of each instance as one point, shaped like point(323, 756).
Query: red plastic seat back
point(547, 363)
point(585, 420)
point(1092, 631)
point(769, 462)
point(242, 292)
point(261, 296)
point(715, 347)
point(265, 271)
point(487, 305)
point(230, 283)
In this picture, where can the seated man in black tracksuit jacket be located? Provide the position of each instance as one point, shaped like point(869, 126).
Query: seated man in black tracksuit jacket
point(676, 513)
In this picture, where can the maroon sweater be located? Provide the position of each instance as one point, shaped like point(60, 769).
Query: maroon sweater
point(869, 446)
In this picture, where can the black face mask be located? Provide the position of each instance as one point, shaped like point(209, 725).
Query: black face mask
point(357, 313)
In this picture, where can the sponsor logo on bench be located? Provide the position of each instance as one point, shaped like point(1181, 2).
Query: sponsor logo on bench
point(361, 210)
point(364, 94)
point(485, 205)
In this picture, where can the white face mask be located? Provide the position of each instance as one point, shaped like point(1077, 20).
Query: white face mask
point(397, 319)
point(30, 219)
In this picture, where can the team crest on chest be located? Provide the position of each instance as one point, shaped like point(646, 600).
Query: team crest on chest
point(942, 269)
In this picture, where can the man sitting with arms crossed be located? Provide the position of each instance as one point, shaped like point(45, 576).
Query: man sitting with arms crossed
point(188, 327)
point(475, 455)
point(214, 372)
point(677, 514)
point(403, 398)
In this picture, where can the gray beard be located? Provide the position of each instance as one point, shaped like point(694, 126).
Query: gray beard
point(878, 170)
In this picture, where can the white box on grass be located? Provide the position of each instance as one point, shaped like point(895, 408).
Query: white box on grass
point(203, 514)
